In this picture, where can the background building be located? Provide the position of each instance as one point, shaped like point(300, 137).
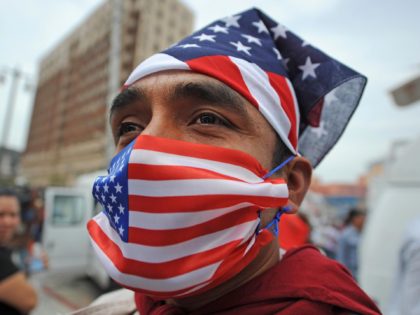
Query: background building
point(68, 132)
point(341, 196)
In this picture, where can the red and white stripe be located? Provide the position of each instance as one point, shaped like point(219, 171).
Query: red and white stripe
point(271, 93)
point(206, 237)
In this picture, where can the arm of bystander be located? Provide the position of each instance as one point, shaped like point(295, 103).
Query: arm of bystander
point(17, 292)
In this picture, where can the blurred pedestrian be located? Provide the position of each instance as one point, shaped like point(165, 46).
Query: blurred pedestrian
point(325, 236)
point(16, 295)
point(349, 239)
point(405, 299)
point(37, 259)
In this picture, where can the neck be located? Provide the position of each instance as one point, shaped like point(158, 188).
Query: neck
point(267, 258)
point(356, 227)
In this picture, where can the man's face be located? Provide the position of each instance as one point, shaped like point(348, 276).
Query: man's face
point(194, 108)
point(9, 217)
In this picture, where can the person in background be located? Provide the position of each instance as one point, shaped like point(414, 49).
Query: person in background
point(349, 239)
point(405, 299)
point(294, 231)
point(324, 235)
point(37, 260)
point(17, 296)
point(23, 238)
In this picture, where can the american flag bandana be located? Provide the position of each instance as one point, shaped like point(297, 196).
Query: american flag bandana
point(305, 95)
point(180, 218)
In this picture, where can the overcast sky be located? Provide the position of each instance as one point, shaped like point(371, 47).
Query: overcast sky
point(379, 38)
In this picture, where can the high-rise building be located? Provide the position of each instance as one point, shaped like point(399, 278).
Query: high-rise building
point(68, 132)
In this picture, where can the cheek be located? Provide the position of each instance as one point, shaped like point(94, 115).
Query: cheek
point(12, 222)
point(262, 150)
point(16, 221)
point(8, 223)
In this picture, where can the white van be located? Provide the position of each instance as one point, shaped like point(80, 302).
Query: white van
point(393, 202)
point(65, 237)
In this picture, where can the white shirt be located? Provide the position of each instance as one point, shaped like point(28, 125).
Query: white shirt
point(405, 299)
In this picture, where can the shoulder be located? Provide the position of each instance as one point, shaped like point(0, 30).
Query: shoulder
point(309, 261)
point(8, 268)
point(307, 274)
point(348, 231)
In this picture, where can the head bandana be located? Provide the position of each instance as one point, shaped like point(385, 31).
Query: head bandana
point(305, 95)
point(180, 218)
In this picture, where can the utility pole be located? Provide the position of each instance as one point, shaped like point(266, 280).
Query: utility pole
point(9, 106)
point(114, 70)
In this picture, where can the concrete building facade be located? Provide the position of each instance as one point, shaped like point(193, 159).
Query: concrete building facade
point(68, 132)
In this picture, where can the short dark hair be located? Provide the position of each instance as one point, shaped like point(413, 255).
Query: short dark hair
point(353, 212)
point(8, 192)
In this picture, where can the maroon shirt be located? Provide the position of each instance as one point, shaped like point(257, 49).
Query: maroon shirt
point(303, 282)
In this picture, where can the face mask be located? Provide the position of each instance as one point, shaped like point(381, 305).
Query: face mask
point(180, 218)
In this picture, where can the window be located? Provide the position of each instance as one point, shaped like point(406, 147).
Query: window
point(68, 210)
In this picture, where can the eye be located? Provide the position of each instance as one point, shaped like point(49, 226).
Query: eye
point(125, 133)
point(128, 127)
point(210, 119)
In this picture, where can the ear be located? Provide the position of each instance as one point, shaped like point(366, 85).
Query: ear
point(299, 174)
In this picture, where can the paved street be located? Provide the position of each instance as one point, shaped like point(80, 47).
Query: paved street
point(61, 293)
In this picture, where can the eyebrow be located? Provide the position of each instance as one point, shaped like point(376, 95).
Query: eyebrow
point(125, 98)
point(214, 93)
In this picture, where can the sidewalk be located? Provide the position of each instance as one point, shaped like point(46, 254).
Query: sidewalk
point(60, 293)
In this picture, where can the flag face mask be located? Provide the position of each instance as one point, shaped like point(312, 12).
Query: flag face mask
point(180, 218)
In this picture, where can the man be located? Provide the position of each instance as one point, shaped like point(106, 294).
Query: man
point(349, 239)
point(190, 210)
point(16, 295)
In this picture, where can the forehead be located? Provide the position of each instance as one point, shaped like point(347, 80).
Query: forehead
point(175, 85)
point(9, 204)
point(181, 84)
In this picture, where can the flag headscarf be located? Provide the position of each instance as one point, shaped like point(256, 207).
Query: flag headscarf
point(306, 96)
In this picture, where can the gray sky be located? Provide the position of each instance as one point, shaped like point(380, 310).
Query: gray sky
point(379, 38)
